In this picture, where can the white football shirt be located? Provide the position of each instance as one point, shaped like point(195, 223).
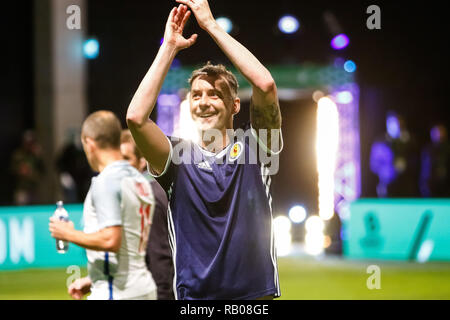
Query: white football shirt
point(120, 196)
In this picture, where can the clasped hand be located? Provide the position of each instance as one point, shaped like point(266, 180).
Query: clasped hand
point(179, 16)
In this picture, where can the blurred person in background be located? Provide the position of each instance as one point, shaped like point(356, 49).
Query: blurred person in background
point(435, 164)
point(159, 256)
point(74, 171)
point(27, 168)
point(393, 159)
point(117, 215)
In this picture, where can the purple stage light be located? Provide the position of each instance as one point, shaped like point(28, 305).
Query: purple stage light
point(168, 100)
point(393, 126)
point(347, 177)
point(340, 42)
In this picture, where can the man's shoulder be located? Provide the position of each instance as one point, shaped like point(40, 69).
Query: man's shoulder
point(118, 170)
point(114, 175)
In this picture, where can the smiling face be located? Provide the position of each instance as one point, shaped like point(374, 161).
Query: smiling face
point(212, 103)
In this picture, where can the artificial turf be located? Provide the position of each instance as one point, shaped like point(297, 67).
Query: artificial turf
point(300, 278)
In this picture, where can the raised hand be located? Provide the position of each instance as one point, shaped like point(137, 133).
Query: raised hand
point(201, 10)
point(173, 34)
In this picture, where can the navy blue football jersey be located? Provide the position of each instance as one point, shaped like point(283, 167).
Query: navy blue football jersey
point(220, 221)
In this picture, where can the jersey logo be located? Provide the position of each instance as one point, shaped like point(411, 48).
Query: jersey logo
point(204, 165)
point(236, 151)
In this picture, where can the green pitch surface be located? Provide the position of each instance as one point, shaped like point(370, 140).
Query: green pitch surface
point(300, 278)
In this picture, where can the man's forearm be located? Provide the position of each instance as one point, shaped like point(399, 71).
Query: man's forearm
point(247, 64)
point(265, 110)
point(145, 97)
point(98, 241)
point(148, 137)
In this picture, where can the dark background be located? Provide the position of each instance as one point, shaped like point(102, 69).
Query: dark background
point(404, 67)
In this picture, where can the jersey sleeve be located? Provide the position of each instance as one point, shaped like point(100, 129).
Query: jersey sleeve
point(264, 146)
point(254, 134)
point(168, 162)
point(166, 177)
point(106, 198)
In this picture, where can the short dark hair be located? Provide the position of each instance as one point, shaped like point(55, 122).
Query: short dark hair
point(126, 137)
point(218, 70)
point(104, 128)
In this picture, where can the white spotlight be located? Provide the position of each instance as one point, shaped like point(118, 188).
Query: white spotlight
point(288, 24)
point(314, 224)
point(283, 238)
point(225, 23)
point(344, 97)
point(314, 237)
point(186, 127)
point(314, 243)
point(326, 152)
point(297, 214)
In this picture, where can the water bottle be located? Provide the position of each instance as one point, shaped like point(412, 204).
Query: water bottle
point(61, 214)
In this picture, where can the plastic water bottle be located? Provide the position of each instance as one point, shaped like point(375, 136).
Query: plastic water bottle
point(61, 214)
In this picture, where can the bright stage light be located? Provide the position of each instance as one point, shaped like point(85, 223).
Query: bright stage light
point(317, 95)
point(314, 243)
point(288, 24)
point(186, 126)
point(314, 237)
point(283, 238)
point(327, 142)
point(91, 48)
point(225, 23)
point(297, 214)
point(349, 66)
point(314, 224)
point(340, 41)
point(168, 100)
point(344, 97)
point(393, 126)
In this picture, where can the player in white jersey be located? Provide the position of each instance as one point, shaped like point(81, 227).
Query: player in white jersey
point(117, 215)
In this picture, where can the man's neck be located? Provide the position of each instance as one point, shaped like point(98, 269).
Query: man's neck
point(107, 157)
point(216, 145)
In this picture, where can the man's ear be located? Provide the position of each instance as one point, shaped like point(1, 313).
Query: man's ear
point(142, 164)
point(90, 144)
point(236, 105)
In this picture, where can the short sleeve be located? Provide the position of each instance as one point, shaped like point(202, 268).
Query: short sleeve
point(168, 162)
point(106, 198)
point(165, 178)
point(264, 146)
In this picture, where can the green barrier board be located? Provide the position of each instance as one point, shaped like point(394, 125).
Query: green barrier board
point(25, 241)
point(398, 229)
